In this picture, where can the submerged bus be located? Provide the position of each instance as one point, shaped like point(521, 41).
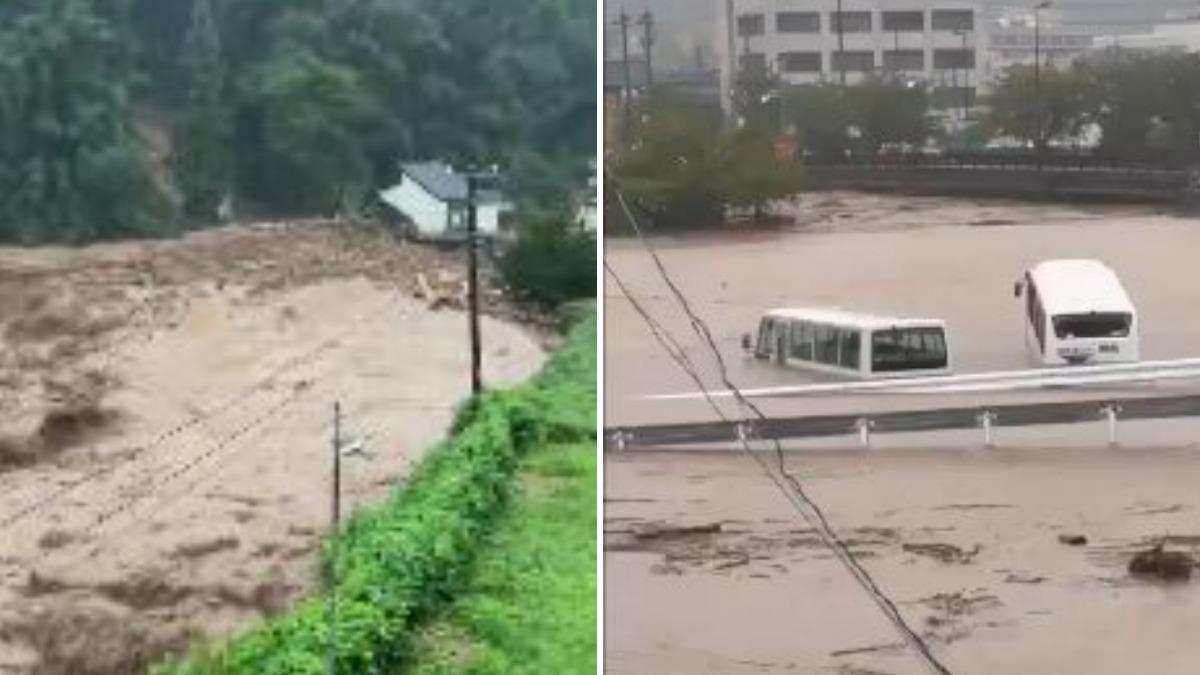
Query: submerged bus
point(1077, 312)
point(850, 344)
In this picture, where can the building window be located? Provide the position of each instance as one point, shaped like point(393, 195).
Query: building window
point(953, 97)
point(852, 22)
point(753, 61)
point(953, 19)
point(904, 59)
point(853, 62)
point(751, 24)
point(800, 62)
point(904, 22)
point(953, 59)
point(798, 22)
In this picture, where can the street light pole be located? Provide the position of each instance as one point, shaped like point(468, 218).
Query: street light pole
point(966, 99)
point(1037, 70)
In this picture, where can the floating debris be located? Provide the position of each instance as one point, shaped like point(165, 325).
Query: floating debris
point(1165, 565)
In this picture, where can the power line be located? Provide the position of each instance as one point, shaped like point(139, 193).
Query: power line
point(808, 509)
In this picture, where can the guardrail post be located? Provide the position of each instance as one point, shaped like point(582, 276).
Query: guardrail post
point(1110, 413)
point(864, 425)
point(744, 432)
point(986, 418)
point(619, 440)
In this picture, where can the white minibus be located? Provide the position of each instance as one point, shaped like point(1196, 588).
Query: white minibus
point(850, 344)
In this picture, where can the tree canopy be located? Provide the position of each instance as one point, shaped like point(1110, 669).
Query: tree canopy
point(300, 107)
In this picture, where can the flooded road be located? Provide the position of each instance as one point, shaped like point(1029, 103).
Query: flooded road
point(964, 539)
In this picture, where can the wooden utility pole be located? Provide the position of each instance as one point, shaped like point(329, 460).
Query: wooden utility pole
point(336, 518)
point(626, 86)
point(473, 284)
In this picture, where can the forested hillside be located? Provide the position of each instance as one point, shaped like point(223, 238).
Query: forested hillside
point(135, 117)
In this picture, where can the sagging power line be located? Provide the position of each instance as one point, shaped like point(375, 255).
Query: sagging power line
point(789, 485)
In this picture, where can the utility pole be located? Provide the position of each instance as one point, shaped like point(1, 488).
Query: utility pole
point(647, 23)
point(627, 86)
point(473, 283)
point(841, 53)
point(336, 518)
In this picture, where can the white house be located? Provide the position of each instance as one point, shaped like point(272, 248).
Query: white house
point(586, 212)
point(432, 199)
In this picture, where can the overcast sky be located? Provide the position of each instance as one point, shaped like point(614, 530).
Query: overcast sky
point(684, 26)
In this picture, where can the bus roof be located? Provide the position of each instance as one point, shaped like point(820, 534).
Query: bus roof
point(1079, 286)
point(840, 317)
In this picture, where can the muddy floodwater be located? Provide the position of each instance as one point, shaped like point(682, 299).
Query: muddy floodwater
point(709, 571)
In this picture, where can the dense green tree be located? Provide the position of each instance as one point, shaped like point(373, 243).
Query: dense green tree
point(72, 166)
point(203, 170)
point(753, 175)
point(1055, 103)
point(674, 176)
point(688, 172)
point(756, 95)
point(888, 112)
point(835, 122)
point(553, 259)
point(821, 117)
point(293, 107)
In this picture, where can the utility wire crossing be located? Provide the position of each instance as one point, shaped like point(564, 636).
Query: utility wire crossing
point(789, 486)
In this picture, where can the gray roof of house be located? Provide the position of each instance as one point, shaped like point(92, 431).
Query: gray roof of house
point(447, 185)
point(438, 178)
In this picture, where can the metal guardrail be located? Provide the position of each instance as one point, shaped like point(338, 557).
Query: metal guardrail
point(939, 419)
point(1015, 161)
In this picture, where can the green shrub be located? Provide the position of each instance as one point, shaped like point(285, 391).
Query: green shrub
point(552, 261)
point(399, 562)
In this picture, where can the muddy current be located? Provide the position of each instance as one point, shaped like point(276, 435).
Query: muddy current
point(1008, 559)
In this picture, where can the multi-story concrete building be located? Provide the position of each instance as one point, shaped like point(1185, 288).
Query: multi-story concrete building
point(935, 42)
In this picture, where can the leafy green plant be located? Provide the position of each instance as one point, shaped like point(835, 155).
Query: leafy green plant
point(553, 259)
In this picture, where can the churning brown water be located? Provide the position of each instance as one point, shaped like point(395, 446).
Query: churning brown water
point(965, 540)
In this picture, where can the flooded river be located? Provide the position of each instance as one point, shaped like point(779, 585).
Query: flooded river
point(964, 539)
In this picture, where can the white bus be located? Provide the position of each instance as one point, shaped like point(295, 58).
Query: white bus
point(856, 345)
point(1077, 312)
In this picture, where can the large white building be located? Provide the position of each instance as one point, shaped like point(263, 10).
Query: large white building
point(936, 42)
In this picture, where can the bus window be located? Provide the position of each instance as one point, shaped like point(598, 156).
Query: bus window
point(908, 349)
point(825, 345)
point(766, 338)
point(1099, 325)
point(849, 349)
point(801, 344)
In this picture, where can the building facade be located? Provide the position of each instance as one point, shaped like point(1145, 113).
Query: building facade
point(933, 42)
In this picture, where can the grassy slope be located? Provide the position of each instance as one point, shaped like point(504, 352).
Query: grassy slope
point(531, 607)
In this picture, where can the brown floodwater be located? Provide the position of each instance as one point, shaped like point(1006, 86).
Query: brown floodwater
point(964, 539)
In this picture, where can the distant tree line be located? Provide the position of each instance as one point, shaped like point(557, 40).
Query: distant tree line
point(138, 117)
point(1145, 106)
point(683, 168)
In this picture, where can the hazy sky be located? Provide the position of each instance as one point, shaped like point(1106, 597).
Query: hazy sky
point(682, 25)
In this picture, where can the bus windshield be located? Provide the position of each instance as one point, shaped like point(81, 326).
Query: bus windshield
point(908, 349)
point(1097, 325)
